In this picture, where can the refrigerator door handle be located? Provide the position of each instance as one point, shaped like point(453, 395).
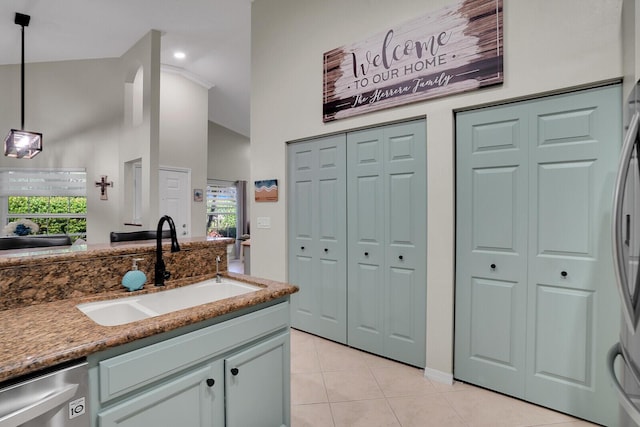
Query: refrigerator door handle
point(622, 280)
point(624, 399)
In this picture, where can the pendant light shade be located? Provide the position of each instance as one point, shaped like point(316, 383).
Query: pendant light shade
point(21, 143)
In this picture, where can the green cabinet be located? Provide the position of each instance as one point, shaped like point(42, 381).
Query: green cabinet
point(187, 400)
point(257, 375)
point(203, 377)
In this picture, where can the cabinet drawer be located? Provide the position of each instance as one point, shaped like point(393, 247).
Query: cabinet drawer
point(124, 373)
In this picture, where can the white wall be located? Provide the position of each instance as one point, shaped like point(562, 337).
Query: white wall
point(229, 154)
point(183, 136)
point(77, 105)
point(549, 45)
point(79, 108)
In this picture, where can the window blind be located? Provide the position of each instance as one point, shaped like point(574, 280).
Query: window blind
point(69, 183)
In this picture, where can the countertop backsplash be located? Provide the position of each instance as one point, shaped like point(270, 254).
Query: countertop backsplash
point(50, 275)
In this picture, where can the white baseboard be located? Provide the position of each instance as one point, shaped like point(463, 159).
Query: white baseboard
point(439, 376)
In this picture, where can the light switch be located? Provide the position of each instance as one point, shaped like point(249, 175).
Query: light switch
point(264, 222)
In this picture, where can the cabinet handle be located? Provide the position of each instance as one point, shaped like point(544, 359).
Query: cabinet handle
point(234, 371)
point(210, 382)
point(400, 257)
point(563, 274)
point(493, 266)
point(326, 250)
point(366, 254)
point(302, 248)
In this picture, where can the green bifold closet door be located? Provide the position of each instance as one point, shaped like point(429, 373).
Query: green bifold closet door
point(536, 305)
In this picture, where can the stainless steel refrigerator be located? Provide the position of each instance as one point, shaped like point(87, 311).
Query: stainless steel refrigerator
point(624, 357)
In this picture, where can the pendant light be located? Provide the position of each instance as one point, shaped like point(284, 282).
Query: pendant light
point(21, 143)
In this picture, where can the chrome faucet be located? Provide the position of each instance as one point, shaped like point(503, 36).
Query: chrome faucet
point(161, 274)
point(218, 276)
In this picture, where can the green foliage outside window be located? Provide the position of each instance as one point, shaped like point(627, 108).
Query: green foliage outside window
point(54, 215)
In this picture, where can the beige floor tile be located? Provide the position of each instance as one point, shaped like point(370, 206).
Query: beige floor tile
point(484, 408)
point(456, 386)
point(374, 361)
point(351, 385)
point(425, 411)
point(308, 388)
point(336, 357)
point(577, 423)
point(316, 415)
point(364, 413)
point(304, 357)
point(402, 381)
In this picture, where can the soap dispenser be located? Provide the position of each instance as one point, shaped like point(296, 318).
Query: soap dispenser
point(134, 279)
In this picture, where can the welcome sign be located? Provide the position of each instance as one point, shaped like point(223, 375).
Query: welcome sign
point(456, 49)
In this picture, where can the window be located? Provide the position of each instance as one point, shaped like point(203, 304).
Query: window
point(53, 199)
point(222, 209)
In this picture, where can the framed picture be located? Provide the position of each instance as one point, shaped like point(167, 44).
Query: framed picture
point(198, 195)
point(266, 190)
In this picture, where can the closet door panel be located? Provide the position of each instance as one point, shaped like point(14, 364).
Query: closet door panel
point(405, 238)
point(366, 273)
point(572, 305)
point(317, 236)
point(491, 248)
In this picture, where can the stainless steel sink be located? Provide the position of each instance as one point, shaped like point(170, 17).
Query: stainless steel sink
point(129, 309)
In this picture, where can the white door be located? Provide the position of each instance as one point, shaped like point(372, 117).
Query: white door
point(174, 189)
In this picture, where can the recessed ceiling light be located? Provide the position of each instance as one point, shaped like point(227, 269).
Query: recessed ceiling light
point(179, 55)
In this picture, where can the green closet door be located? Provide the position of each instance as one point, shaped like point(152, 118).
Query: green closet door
point(536, 306)
point(573, 313)
point(387, 241)
point(317, 236)
point(491, 248)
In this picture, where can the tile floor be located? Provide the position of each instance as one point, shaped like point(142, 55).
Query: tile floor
point(337, 386)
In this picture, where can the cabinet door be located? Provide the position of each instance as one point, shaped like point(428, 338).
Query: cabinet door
point(187, 400)
point(317, 236)
point(257, 385)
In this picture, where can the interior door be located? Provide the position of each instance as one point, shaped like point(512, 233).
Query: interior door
point(387, 209)
point(491, 247)
point(405, 297)
point(317, 236)
point(573, 308)
point(175, 199)
point(536, 309)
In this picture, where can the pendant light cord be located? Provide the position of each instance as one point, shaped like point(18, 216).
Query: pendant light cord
point(22, 83)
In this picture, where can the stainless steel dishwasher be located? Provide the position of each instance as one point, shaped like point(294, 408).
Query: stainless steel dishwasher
point(55, 398)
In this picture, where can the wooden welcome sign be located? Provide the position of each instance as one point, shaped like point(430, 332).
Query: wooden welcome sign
point(456, 49)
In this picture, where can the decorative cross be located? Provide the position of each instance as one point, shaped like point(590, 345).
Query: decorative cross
point(103, 184)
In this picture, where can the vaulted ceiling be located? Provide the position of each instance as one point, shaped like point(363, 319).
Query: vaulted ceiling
point(215, 36)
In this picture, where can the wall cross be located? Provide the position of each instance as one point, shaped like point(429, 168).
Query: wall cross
point(103, 184)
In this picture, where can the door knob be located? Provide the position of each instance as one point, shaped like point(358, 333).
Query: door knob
point(400, 257)
point(493, 266)
point(366, 254)
point(234, 371)
point(302, 248)
point(563, 274)
point(210, 382)
point(326, 250)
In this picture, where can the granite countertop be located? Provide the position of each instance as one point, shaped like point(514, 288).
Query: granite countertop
point(44, 335)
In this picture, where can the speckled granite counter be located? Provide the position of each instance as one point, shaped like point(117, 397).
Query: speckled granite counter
point(43, 335)
point(40, 325)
